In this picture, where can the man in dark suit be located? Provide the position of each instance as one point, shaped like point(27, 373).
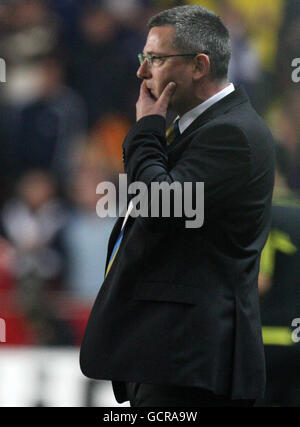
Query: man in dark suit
point(176, 321)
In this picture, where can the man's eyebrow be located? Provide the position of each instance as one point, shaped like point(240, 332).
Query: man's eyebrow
point(153, 53)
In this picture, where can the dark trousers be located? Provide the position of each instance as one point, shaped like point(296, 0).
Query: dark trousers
point(144, 395)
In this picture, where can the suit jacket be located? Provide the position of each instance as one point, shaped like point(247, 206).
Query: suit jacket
point(180, 305)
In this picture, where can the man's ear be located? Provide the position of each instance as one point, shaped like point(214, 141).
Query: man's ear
point(201, 66)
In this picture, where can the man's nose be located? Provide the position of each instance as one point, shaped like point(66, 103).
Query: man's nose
point(144, 71)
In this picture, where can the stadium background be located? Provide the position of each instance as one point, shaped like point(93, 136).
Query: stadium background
point(67, 103)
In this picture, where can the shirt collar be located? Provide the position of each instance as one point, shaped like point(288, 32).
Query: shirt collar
point(187, 119)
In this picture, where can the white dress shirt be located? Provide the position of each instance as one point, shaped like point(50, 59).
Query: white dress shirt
point(187, 119)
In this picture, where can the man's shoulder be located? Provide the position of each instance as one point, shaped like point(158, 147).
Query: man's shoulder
point(242, 118)
point(234, 110)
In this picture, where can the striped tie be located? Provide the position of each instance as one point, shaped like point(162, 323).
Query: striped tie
point(171, 134)
point(115, 251)
point(119, 240)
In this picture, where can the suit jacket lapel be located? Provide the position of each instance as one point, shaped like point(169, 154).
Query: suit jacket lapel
point(230, 101)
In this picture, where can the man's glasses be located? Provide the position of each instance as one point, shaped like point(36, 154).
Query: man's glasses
point(157, 59)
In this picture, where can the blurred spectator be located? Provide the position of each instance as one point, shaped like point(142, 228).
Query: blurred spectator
point(262, 21)
point(288, 46)
point(5, 172)
point(68, 13)
point(29, 29)
point(31, 222)
point(49, 130)
point(102, 68)
point(7, 260)
point(279, 287)
point(85, 236)
point(105, 141)
point(284, 122)
point(244, 68)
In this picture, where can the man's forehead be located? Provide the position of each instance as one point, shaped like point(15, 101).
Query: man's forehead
point(159, 39)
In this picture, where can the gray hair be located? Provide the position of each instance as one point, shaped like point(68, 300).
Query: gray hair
point(197, 30)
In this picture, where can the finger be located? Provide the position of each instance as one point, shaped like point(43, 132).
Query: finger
point(166, 95)
point(143, 89)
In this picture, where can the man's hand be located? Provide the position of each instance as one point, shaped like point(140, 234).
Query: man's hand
point(147, 106)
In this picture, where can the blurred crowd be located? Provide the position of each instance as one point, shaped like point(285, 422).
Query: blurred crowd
point(67, 103)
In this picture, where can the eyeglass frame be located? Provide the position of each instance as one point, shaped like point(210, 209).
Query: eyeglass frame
point(149, 58)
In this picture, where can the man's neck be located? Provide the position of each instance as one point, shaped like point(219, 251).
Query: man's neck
point(187, 119)
point(204, 92)
point(210, 89)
